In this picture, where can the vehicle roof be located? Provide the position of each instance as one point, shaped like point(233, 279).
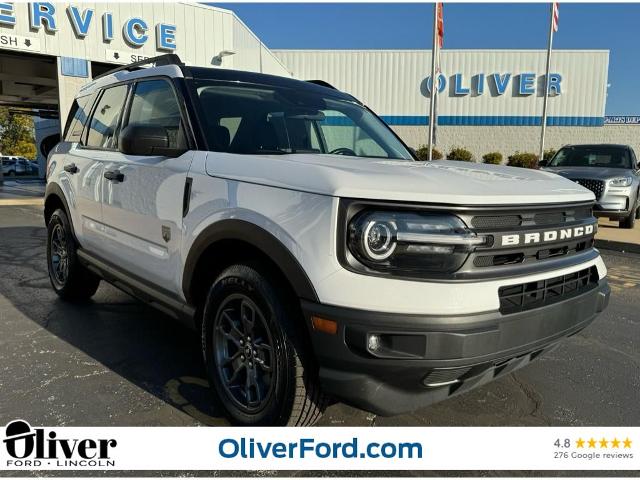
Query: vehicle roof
point(227, 75)
point(219, 74)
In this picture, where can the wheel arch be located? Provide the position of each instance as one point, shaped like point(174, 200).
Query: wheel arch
point(54, 198)
point(227, 241)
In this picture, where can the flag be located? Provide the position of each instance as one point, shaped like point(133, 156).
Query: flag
point(441, 25)
point(556, 15)
point(440, 31)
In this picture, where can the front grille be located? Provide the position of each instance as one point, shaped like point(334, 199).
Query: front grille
point(525, 296)
point(555, 217)
point(596, 186)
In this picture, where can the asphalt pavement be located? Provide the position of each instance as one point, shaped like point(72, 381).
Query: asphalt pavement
point(116, 362)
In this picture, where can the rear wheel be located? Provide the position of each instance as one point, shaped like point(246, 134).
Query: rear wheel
point(70, 279)
point(257, 359)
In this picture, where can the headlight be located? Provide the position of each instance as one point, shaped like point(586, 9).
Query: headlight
point(411, 243)
point(620, 181)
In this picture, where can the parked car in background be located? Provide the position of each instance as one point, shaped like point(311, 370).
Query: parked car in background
point(14, 166)
point(611, 172)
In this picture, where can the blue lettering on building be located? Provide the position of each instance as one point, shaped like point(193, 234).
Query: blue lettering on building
point(80, 21)
point(442, 83)
point(479, 84)
point(7, 16)
point(458, 88)
point(135, 31)
point(107, 27)
point(165, 36)
point(554, 84)
point(42, 14)
point(497, 83)
point(527, 86)
point(501, 82)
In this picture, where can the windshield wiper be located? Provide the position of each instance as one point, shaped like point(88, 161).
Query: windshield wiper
point(270, 152)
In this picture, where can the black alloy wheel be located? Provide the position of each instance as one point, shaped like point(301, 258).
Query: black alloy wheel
point(59, 258)
point(244, 350)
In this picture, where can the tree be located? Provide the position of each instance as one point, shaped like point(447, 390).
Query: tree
point(17, 134)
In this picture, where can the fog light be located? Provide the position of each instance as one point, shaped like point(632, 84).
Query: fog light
point(373, 343)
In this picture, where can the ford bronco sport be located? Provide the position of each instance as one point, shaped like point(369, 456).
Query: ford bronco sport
point(317, 257)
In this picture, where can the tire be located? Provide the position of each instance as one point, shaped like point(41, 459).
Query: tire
point(273, 380)
point(69, 278)
point(628, 222)
point(11, 173)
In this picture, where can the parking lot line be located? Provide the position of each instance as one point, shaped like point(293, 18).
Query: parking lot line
point(16, 202)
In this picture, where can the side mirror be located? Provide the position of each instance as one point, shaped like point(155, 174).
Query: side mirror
point(147, 140)
point(543, 163)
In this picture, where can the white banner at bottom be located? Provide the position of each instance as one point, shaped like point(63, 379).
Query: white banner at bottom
point(25, 447)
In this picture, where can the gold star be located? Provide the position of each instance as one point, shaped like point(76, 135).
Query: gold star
point(615, 443)
point(580, 443)
point(603, 443)
point(627, 443)
point(592, 443)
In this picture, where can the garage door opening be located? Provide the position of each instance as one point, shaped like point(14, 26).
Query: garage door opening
point(29, 113)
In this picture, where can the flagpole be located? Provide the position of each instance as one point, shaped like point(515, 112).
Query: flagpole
point(546, 88)
point(434, 82)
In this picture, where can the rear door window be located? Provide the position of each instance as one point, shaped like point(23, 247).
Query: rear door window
point(103, 127)
point(154, 103)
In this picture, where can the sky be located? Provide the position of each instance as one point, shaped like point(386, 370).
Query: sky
point(614, 27)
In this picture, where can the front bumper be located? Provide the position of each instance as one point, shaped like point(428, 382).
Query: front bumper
point(616, 202)
point(424, 359)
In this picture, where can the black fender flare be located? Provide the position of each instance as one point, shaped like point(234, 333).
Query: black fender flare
point(54, 189)
point(241, 230)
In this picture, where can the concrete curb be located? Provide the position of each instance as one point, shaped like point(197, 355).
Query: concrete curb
point(618, 246)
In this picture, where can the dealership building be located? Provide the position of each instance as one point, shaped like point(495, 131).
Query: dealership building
point(489, 100)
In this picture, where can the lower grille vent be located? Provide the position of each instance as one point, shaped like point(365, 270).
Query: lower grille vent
point(517, 298)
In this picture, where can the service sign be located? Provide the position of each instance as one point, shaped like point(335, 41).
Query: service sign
point(135, 31)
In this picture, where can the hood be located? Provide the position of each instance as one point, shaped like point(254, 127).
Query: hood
point(598, 173)
point(447, 182)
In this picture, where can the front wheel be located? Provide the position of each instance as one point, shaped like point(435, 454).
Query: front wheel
point(258, 362)
point(628, 222)
point(69, 278)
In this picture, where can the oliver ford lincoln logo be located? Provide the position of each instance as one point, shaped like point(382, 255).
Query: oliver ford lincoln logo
point(529, 238)
point(38, 447)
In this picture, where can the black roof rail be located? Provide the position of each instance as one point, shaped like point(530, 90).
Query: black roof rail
point(166, 59)
point(322, 83)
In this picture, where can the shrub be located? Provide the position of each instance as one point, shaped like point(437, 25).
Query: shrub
point(524, 160)
point(422, 152)
point(494, 158)
point(461, 154)
point(548, 154)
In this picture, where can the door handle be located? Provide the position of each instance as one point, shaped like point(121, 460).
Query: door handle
point(114, 175)
point(71, 168)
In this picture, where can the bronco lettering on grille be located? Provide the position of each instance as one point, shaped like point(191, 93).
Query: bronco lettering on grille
point(530, 238)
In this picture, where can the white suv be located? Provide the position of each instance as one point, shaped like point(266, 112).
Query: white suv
point(318, 258)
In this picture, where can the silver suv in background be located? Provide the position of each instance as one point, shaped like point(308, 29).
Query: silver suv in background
point(611, 172)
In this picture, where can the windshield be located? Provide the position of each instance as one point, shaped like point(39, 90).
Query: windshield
point(256, 119)
point(592, 156)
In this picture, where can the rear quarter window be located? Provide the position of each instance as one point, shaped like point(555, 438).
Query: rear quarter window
point(77, 118)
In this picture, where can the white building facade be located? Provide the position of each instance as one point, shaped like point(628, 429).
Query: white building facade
point(488, 100)
point(75, 38)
